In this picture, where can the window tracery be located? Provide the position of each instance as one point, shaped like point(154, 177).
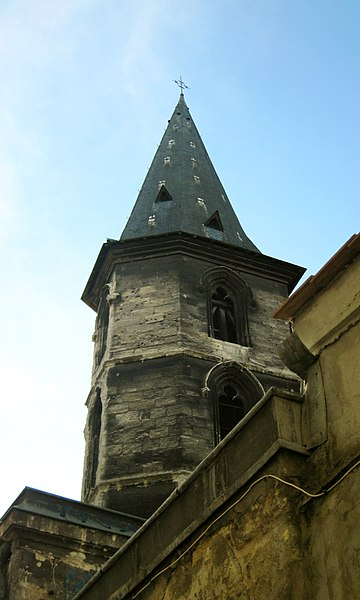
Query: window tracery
point(228, 298)
point(233, 391)
point(223, 316)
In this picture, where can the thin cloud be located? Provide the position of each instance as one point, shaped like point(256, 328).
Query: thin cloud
point(20, 153)
point(138, 53)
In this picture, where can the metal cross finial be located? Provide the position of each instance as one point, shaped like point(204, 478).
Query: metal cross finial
point(181, 85)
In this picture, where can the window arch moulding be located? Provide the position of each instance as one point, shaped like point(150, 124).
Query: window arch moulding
point(228, 299)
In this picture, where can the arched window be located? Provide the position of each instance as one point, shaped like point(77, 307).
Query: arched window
point(230, 407)
point(223, 323)
point(228, 298)
point(95, 430)
point(102, 325)
point(233, 391)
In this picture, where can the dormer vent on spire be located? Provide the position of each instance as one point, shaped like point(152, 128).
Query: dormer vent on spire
point(163, 195)
point(182, 161)
point(214, 222)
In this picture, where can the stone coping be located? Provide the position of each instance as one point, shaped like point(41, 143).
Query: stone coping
point(45, 504)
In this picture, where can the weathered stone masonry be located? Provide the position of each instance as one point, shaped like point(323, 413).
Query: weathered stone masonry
point(157, 425)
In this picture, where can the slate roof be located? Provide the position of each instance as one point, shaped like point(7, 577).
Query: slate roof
point(182, 192)
point(37, 502)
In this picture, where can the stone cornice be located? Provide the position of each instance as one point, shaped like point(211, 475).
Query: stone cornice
point(215, 252)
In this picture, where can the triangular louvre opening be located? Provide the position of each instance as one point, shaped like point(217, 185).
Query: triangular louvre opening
point(163, 195)
point(215, 222)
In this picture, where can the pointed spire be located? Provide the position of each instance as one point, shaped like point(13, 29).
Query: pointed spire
point(182, 191)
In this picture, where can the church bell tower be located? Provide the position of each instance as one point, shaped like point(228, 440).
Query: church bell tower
point(185, 342)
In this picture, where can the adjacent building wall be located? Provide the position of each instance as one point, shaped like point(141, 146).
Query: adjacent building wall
point(50, 546)
point(267, 518)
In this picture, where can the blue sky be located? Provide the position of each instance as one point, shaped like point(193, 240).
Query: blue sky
point(86, 91)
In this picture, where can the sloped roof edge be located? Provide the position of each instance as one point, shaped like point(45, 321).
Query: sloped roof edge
point(315, 283)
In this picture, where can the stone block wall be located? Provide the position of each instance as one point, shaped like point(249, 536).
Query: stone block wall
point(156, 423)
point(145, 314)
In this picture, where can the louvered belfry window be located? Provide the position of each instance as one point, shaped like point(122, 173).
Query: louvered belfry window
point(231, 409)
point(223, 316)
point(232, 390)
point(228, 298)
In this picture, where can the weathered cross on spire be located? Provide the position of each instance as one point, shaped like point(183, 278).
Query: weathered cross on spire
point(181, 84)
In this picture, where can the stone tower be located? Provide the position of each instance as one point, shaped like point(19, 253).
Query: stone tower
point(185, 342)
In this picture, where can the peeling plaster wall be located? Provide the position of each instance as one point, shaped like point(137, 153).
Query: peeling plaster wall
point(254, 553)
point(45, 573)
point(269, 547)
point(330, 530)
